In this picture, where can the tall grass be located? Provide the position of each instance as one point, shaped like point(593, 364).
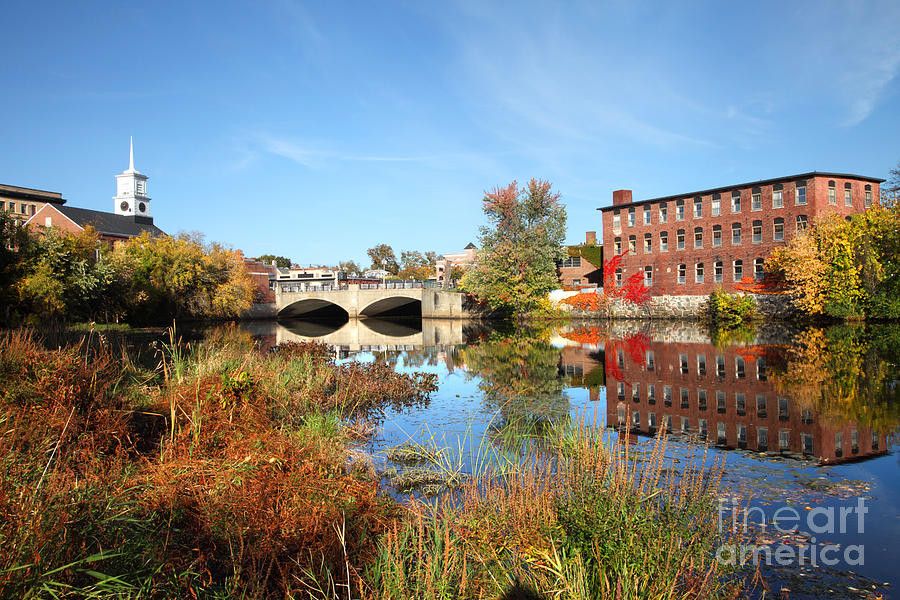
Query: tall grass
point(595, 522)
point(226, 473)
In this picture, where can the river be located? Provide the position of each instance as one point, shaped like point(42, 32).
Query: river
point(804, 420)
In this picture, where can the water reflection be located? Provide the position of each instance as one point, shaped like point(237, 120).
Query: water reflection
point(828, 394)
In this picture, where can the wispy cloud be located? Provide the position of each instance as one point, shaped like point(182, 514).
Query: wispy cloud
point(316, 155)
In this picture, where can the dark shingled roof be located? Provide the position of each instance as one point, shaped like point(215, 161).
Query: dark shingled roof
point(110, 223)
point(471, 246)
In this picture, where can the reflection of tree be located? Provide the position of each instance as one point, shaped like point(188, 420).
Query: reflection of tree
point(519, 375)
point(847, 373)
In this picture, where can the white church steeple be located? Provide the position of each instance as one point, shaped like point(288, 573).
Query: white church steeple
point(131, 190)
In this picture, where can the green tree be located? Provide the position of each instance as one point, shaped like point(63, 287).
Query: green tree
point(16, 246)
point(280, 261)
point(383, 257)
point(70, 276)
point(516, 266)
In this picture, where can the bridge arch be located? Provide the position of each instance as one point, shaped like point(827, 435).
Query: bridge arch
point(394, 306)
point(314, 308)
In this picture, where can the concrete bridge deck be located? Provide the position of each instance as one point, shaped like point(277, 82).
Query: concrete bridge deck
point(357, 302)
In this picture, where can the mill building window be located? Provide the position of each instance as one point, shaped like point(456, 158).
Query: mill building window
point(778, 234)
point(679, 210)
point(756, 232)
point(716, 206)
point(663, 242)
point(698, 237)
point(618, 277)
point(756, 199)
point(778, 231)
point(648, 276)
point(778, 196)
point(719, 272)
point(738, 270)
point(831, 193)
point(648, 243)
point(617, 220)
point(617, 244)
point(801, 223)
point(631, 217)
point(698, 208)
point(736, 202)
point(646, 215)
point(632, 244)
point(758, 268)
point(868, 196)
point(682, 273)
point(717, 236)
point(698, 273)
point(679, 239)
point(801, 194)
point(663, 213)
point(848, 200)
point(569, 262)
point(735, 234)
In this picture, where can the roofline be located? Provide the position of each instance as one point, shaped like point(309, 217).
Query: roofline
point(56, 208)
point(749, 184)
point(23, 193)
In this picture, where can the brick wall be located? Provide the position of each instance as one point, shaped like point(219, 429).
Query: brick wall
point(665, 264)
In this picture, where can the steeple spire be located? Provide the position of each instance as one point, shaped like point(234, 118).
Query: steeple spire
point(131, 155)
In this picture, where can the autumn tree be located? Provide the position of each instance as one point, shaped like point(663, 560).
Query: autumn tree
point(383, 257)
point(181, 277)
point(417, 265)
point(516, 266)
point(892, 185)
point(845, 268)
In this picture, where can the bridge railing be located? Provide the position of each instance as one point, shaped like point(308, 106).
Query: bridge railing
point(327, 287)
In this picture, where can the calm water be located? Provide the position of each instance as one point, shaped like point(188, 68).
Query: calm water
point(805, 420)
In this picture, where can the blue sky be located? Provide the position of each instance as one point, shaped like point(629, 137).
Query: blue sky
point(316, 130)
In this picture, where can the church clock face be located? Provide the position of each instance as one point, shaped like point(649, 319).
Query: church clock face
point(124, 206)
point(142, 207)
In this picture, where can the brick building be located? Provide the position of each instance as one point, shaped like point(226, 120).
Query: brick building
point(690, 244)
point(725, 397)
point(22, 203)
point(584, 265)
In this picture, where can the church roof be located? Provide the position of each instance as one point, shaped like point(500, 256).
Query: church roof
point(471, 246)
point(110, 223)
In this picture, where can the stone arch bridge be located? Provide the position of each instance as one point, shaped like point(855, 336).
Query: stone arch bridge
point(358, 302)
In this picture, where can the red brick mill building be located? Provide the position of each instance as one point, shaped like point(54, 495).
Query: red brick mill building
point(690, 244)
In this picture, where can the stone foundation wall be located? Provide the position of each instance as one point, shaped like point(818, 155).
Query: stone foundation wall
point(682, 307)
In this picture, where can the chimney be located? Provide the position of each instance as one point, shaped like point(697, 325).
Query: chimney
point(621, 197)
point(590, 238)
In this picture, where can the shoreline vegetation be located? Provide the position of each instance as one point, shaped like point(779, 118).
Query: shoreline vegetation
point(213, 470)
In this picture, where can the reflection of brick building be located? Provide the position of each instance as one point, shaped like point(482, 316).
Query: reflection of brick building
point(584, 265)
point(584, 368)
point(726, 397)
point(694, 242)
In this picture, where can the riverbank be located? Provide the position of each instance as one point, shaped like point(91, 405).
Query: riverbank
point(225, 470)
point(769, 306)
